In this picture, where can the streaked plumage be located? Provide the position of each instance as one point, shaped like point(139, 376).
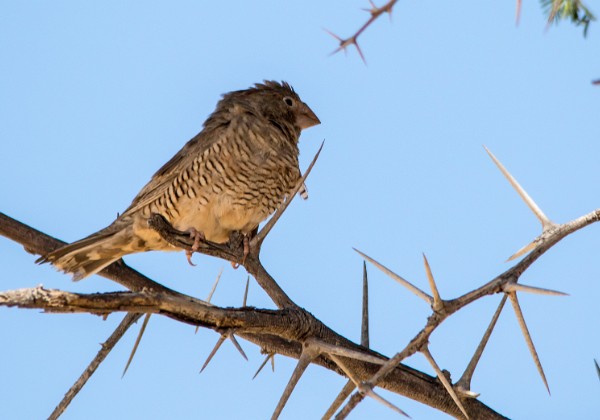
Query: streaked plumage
point(229, 177)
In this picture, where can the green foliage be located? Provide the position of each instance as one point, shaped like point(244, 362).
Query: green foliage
point(574, 10)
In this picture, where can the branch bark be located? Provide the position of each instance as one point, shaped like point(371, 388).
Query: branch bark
point(276, 331)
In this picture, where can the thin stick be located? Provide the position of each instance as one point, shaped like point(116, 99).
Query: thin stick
point(106, 348)
point(464, 383)
point(527, 336)
point(137, 343)
point(364, 330)
point(260, 236)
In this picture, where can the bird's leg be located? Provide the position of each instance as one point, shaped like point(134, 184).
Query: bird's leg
point(246, 244)
point(197, 237)
point(246, 248)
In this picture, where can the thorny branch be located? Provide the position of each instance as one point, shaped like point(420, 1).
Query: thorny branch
point(269, 329)
point(107, 346)
point(375, 12)
point(291, 330)
point(504, 283)
point(575, 10)
point(275, 331)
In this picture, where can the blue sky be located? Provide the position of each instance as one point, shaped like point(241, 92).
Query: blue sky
point(96, 97)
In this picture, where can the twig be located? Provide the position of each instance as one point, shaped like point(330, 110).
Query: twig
point(257, 241)
point(234, 251)
point(107, 346)
point(375, 12)
point(546, 241)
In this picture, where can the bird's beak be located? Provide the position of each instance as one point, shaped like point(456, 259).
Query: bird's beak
point(306, 117)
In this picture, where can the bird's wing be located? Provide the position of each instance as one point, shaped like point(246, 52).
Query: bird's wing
point(166, 175)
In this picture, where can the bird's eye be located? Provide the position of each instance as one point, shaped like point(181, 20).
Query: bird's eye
point(288, 101)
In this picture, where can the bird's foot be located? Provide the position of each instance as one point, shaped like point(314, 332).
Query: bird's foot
point(197, 237)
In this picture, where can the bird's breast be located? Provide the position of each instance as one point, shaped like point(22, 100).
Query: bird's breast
point(232, 186)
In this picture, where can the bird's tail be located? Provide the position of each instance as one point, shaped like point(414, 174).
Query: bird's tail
point(90, 255)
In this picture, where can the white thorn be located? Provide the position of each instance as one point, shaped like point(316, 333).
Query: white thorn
point(341, 397)
point(399, 279)
point(332, 350)
point(444, 380)
point(516, 287)
point(437, 301)
point(466, 392)
point(216, 283)
point(464, 383)
point(308, 355)
point(262, 365)
point(363, 387)
point(345, 369)
point(529, 247)
point(527, 336)
point(546, 223)
point(385, 402)
point(213, 352)
point(237, 345)
point(137, 343)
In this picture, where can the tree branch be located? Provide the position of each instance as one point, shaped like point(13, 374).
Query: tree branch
point(107, 346)
point(275, 331)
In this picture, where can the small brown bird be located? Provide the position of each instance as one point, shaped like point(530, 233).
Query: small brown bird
point(228, 178)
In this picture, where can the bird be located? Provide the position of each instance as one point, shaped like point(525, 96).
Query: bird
point(228, 178)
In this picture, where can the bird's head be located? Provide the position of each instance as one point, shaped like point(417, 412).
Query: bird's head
point(281, 99)
point(278, 102)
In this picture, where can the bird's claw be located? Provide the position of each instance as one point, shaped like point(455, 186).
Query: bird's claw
point(188, 256)
point(197, 237)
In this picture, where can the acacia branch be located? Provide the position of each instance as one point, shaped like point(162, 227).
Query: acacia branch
point(375, 12)
point(544, 242)
point(276, 331)
point(291, 329)
point(574, 10)
point(271, 329)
